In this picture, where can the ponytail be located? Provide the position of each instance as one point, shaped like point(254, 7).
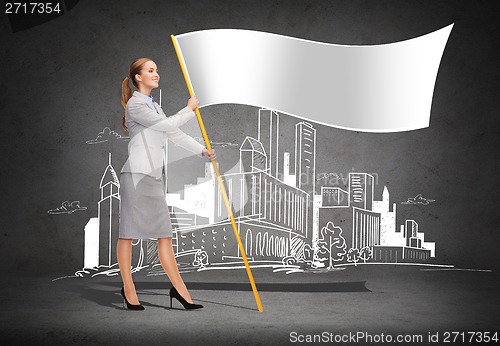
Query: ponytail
point(135, 68)
point(126, 95)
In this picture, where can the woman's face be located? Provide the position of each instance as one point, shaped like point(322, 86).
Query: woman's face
point(149, 76)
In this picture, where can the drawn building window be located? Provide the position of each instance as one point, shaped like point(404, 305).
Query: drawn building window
point(254, 194)
point(258, 244)
point(265, 242)
point(275, 200)
point(230, 190)
point(219, 197)
point(248, 242)
point(242, 196)
point(279, 205)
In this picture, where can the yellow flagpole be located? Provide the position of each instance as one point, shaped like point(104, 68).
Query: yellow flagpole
point(219, 179)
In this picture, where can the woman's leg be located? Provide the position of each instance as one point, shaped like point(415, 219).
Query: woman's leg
point(169, 264)
point(124, 256)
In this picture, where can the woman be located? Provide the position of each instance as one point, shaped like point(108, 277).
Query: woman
point(143, 209)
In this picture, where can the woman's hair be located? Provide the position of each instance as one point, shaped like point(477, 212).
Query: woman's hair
point(135, 68)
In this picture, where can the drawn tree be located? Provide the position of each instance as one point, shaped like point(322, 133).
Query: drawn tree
point(330, 245)
point(365, 253)
point(353, 256)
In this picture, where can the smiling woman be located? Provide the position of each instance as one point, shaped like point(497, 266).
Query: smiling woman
point(149, 77)
point(144, 212)
point(135, 70)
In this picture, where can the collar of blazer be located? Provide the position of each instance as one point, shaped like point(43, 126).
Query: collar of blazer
point(146, 100)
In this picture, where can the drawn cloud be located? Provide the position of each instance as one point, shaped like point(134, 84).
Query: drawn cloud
point(67, 208)
point(418, 199)
point(106, 135)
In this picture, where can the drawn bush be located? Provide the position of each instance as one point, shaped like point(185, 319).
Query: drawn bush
point(365, 253)
point(353, 256)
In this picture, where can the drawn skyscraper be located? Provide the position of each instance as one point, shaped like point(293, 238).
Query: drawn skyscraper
point(361, 190)
point(365, 228)
point(411, 233)
point(108, 213)
point(305, 171)
point(268, 135)
point(91, 244)
point(388, 235)
point(305, 157)
point(288, 178)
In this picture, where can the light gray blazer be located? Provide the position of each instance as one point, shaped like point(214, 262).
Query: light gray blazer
point(149, 131)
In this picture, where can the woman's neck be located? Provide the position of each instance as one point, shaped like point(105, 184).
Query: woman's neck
point(145, 91)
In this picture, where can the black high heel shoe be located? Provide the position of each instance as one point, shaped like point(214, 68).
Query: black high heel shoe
point(188, 306)
point(130, 306)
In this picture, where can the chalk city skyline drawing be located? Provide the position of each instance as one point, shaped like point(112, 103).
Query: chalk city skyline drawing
point(285, 221)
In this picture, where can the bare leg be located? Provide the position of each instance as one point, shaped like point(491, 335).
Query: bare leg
point(124, 256)
point(169, 264)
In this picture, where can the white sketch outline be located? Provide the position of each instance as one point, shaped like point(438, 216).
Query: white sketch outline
point(418, 199)
point(278, 213)
point(106, 135)
point(67, 208)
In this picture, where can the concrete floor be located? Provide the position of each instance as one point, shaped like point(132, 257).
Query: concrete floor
point(398, 300)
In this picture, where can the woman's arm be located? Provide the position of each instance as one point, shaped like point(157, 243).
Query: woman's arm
point(144, 115)
point(187, 142)
point(139, 112)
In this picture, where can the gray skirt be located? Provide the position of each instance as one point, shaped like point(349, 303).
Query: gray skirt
point(143, 209)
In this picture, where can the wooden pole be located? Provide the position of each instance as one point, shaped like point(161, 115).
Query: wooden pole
point(219, 179)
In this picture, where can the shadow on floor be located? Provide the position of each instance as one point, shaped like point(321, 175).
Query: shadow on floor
point(354, 286)
point(113, 299)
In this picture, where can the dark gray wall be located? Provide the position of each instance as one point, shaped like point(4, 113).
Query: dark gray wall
point(61, 86)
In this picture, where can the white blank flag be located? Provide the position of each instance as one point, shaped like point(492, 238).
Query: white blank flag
point(378, 88)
